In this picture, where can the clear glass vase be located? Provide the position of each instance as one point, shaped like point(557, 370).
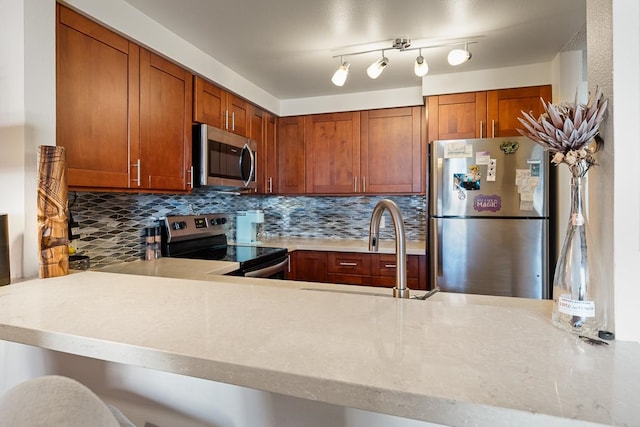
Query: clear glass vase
point(579, 294)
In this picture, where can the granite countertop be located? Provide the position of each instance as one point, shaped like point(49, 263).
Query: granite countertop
point(454, 359)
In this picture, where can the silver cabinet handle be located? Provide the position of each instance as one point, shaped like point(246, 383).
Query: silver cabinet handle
point(481, 126)
point(493, 128)
point(270, 185)
point(233, 121)
point(355, 184)
point(191, 177)
point(349, 264)
point(137, 166)
point(364, 184)
point(226, 119)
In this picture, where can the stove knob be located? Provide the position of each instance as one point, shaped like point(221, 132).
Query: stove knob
point(183, 225)
point(175, 225)
point(221, 221)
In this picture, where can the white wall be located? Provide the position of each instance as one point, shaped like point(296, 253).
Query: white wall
point(12, 128)
point(27, 119)
point(624, 133)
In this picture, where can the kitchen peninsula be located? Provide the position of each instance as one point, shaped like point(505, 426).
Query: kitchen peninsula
point(453, 359)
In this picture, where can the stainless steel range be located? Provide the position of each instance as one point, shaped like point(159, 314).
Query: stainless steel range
point(203, 237)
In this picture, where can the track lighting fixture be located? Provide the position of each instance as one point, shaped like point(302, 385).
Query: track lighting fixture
point(377, 67)
point(341, 74)
point(458, 56)
point(420, 68)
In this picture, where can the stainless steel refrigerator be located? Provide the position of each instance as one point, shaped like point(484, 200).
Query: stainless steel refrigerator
point(489, 217)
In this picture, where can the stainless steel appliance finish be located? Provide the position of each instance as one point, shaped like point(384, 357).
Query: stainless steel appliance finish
point(203, 237)
point(489, 236)
point(223, 160)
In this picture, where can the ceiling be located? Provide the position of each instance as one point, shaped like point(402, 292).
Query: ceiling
point(286, 47)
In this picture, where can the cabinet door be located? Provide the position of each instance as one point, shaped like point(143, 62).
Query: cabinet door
point(392, 155)
point(457, 116)
point(504, 106)
point(165, 124)
point(290, 154)
point(97, 72)
point(269, 155)
point(209, 103)
point(257, 133)
point(310, 266)
point(332, 153)
point(383, 270)
point(221, 109)
point(239, 115)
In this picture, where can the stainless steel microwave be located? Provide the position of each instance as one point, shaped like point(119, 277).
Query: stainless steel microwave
point(223, 160)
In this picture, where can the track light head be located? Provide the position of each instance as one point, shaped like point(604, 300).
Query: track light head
point(341, 74)
point(459, 56)
point(421, 68)
point(377, 67)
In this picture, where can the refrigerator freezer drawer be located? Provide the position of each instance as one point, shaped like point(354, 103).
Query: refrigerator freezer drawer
point(490, 256)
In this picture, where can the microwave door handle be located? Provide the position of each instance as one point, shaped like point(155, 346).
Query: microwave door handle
point(246, 148)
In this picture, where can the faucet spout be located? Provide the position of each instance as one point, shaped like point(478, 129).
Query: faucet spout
point(401, 290)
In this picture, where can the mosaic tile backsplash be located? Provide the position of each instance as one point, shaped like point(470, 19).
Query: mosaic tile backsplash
point(111, 224)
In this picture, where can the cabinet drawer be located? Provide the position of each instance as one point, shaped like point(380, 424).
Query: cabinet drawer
point(385, 265)
point(349, 263)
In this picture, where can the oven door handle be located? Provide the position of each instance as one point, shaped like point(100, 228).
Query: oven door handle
point(268, 271)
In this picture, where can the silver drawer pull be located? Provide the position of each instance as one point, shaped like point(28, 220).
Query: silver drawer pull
point(389, 266)
point(349, 264)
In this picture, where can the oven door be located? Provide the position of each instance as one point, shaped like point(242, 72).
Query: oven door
point(271, 270)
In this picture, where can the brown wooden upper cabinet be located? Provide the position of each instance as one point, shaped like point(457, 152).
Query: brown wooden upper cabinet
point(290, 155)
point(122, 113)
point(375, 151)
point(219, 108)
point(392, 153)
point(267, 156)
point(164, 156)
point(263, 131)
point(504, 106)
point(332, 153)
point(96, 76)
point(484, 114)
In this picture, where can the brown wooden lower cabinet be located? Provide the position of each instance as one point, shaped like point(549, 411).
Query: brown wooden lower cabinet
point(357, 268)
point(309, 266)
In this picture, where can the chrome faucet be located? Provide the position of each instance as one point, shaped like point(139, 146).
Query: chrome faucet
point(401, 290)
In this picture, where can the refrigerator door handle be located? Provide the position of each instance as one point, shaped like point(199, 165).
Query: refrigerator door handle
point(436, 250)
